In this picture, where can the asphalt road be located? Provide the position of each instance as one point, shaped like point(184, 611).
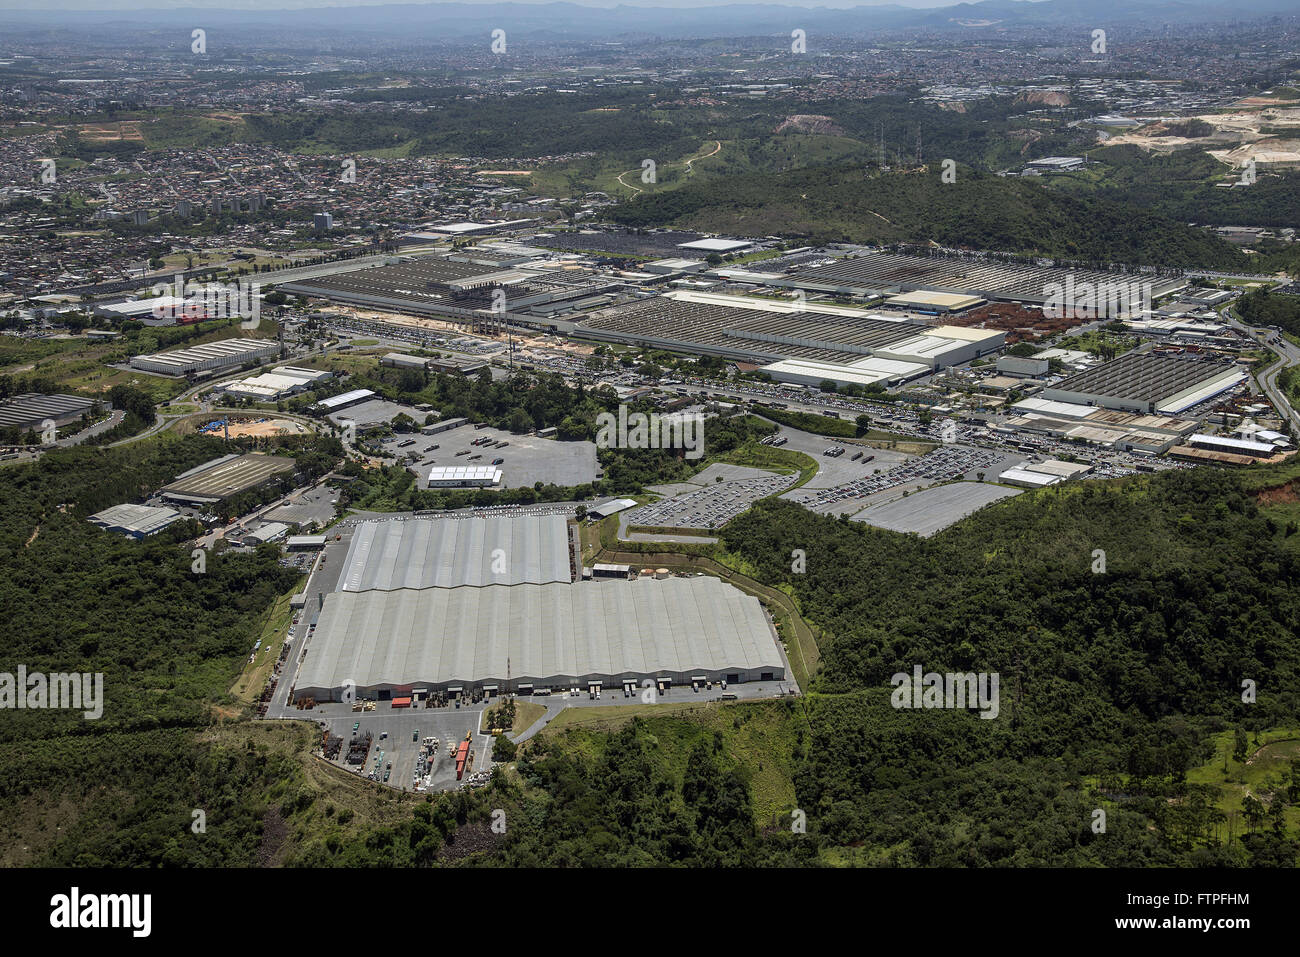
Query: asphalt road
point(1289, 355)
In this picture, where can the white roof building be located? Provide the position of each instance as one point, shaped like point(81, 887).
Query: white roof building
point(559, 634)
point(451, 552)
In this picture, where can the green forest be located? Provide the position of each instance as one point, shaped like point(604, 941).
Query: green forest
point(1263, 307)
point(853, 203)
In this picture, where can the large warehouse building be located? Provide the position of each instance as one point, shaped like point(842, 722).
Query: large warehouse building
point(212, 355)
point(877, 272)
point(496, 550)
point(135, 521)
point(526, 637)
point(462, 604)
point(30, 410)
point(846, 345)
point(1148, 383)
point(226, 477)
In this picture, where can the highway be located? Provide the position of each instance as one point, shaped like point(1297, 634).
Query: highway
point(1288, 355)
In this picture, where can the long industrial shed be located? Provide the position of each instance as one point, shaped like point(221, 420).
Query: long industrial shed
point(524, 637)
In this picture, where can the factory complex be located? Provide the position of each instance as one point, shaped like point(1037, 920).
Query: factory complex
point(491, 605)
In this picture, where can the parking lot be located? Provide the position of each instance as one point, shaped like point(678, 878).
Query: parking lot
point(711, 505)
point(842, 469)
point(315, 505)
point(375, 412)
point(933, 509)
point(526, 459)
point(398, 735)
point(945, 463)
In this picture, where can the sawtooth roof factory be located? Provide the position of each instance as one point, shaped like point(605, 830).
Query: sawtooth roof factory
point(794, 342)
point(1149, 383)
point(226, 477)
point(31, 410)
point(461, 287)
point(895, 274)
point(211, 355)
point(460, 604)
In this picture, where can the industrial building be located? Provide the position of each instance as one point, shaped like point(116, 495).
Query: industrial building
point(277, 384)
point(612, 507)
point(933, 303)
point(31, 410)
point(767, 332)
point(458, 290)
point(452, 552)
point(270, 532)
point(1023, 366)
point(870, 371)
point(1054, 164)
point(1069, 421)
point(336, 402)
point(228, 476)
point(136, 521)
point(1042, 474)
point(1148, 383)
point(212, 355)
point(1223, 443)
point(876, 272)
point(528, 637)
point(398, 360)
point(465, 366)
point(464, 476)
point(720, 246)
point(446, 425)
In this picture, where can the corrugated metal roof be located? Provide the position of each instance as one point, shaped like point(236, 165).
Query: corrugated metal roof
point(333, 402)
point(538, 632)
point(449, 552)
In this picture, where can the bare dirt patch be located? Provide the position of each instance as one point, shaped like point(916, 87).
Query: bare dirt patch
point(101, 132)
point(267, 428)
point(1281, 495)
point(274, 833)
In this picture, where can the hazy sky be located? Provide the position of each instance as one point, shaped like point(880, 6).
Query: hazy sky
point(304, 4)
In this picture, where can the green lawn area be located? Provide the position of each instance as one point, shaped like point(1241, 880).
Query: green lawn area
point(1265, 771)
point(526, 712)
point(1096, 341)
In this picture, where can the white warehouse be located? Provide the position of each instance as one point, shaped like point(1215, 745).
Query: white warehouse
point(211, 355)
